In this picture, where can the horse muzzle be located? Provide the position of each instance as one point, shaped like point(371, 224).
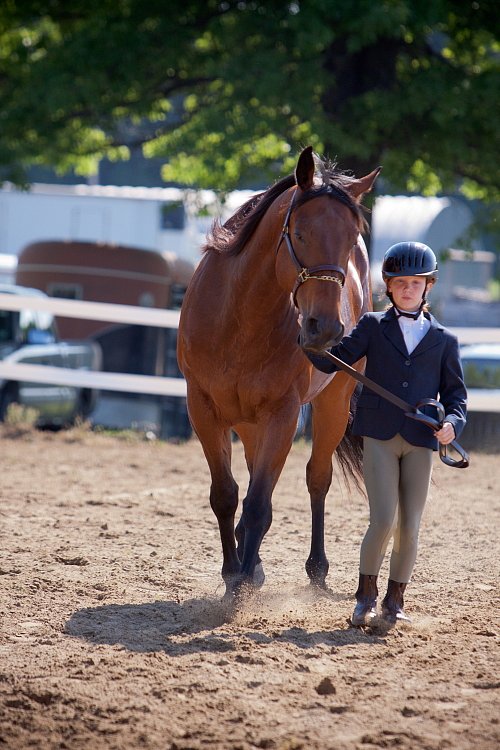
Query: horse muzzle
point(316, 334)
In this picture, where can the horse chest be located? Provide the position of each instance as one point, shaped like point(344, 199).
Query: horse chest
point(240, 394)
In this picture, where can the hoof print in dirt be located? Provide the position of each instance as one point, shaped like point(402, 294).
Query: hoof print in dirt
point(326, 687)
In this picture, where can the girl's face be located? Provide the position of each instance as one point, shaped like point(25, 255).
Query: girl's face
point(407, 291)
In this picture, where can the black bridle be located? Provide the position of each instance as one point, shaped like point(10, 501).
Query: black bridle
point(304, 273)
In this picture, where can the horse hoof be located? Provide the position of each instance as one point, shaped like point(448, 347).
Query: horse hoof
point(258, 576)
point(317, 574)
point(229, 605)
point(319, 583)
point(238, 592)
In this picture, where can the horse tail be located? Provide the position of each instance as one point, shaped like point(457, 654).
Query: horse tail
point(350, 450)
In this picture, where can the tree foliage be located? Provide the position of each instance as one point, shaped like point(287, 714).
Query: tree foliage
point(226, 92)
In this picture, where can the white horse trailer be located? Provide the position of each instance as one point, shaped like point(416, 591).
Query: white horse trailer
point(162, 219)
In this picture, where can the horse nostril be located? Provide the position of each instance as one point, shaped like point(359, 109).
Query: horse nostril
point(312, 326)
point(318, 333)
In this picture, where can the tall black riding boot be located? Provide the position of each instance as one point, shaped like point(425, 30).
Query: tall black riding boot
point(366, 597)
point(393, 603)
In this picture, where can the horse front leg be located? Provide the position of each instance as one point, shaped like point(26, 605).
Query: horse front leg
point(215, 440)
point(224, 503)
point(330, 412)
point(272, 442)
point(248, 436)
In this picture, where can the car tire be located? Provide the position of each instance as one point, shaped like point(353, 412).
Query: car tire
point(85, 406)
point(8, 396)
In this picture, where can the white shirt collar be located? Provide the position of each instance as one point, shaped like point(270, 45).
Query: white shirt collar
point(413, 330)
point(410, 321)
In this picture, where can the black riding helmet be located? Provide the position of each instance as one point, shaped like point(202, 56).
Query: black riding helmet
point(410, 259)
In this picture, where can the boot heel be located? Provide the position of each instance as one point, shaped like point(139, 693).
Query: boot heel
point(393, 603)
point(363, 614)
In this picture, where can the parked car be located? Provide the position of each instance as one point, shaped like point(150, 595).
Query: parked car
point(481, 363)
point(141, 350)
point(31, 337)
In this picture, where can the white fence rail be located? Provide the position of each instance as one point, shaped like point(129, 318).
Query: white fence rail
point(69, 308)
point(163, 386)
point(109, 381)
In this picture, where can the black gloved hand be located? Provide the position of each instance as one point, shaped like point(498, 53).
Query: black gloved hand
point(321, 362)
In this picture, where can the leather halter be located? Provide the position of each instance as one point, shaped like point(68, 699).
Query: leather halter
point(304, 273)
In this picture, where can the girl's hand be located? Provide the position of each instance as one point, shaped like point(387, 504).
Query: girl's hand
point(446, 434)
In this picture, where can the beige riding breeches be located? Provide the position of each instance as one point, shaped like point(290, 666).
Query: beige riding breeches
point(397, 477)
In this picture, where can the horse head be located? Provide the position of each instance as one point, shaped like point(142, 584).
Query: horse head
point(321, 228)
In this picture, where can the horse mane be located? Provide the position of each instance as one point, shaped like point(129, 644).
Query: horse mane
point(231, 237)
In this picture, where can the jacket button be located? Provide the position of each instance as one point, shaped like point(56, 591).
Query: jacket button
point(405, 384)
point(407, 361)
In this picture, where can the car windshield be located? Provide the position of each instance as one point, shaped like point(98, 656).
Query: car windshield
point(6, 326)
point(481, 373)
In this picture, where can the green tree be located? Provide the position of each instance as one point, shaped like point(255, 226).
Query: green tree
point(226, 92)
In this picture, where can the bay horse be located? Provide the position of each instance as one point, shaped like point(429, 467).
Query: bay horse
point(289, 271)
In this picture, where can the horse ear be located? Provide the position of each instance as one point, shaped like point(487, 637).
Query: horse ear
point(357, 188)
point(304, 171)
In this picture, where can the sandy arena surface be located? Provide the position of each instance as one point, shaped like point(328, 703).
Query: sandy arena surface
point(113, 636)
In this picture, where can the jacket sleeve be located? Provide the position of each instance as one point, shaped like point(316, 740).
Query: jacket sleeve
point(352, 348)
point(452, 391)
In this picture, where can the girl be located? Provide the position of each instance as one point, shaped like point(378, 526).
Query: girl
point(408, 352)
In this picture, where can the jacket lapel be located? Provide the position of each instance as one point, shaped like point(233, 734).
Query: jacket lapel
point(431, 338)
point(392, 331)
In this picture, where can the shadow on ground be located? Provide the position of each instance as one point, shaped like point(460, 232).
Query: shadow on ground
point(195, 625)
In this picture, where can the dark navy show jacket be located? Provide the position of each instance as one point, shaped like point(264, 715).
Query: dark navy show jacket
point(432, 369)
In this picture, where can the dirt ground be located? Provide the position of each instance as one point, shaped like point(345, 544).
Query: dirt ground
point(113, 635)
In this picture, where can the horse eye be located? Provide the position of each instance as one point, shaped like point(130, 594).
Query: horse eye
point(298, 236)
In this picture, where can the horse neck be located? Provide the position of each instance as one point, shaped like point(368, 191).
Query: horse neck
point(255, 274)
point(357, 296)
